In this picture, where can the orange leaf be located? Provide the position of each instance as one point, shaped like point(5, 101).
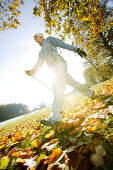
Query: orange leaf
point(23, 155)
point(26, 155)
point(27, 149)
point(71, 133)
point(107, 88)
point(55, 155)
point(16, 153)
point(20, 138)
point(35, 143)
point(77, 123)
point(29, 154)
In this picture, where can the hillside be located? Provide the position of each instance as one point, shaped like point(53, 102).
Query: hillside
point(83, 141)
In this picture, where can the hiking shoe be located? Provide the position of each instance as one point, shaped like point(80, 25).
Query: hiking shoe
point(50, 122)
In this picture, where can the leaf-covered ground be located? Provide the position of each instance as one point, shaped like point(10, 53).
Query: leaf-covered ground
point(84, 141)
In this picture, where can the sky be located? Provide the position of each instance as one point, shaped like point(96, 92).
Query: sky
point(19, 52)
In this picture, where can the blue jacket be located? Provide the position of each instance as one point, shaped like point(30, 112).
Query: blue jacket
point(49, 52)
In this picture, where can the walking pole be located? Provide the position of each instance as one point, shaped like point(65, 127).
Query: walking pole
point(42, 83)
point(51, 90)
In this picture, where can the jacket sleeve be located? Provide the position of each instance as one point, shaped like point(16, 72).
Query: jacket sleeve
point(59, 43)
point(39, 63)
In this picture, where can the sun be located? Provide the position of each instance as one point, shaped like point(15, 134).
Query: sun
point(45, 76)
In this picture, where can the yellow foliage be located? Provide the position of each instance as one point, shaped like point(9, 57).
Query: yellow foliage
point(50, 135)
point(35, 143)
point(55, 155)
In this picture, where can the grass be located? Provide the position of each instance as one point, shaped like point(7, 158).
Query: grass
point(87, 124)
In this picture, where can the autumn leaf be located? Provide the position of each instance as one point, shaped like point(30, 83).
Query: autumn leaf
point(2, 146)
point(35, 143)
point(26, 155)
point(77, 123)
point(19, 138)
point(42, 156)
point(55, 155)
point(4, 162)
point(27, 149)
point(50, 145)
point(16, 153)
point(50, 135)
point(93, 129)
point(19, 160)
point(99, 105)
point(31, 132)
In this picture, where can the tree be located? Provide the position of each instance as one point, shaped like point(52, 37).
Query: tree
point(89, 24)
point(9, 111)
point(90, 74)
point(9, 12)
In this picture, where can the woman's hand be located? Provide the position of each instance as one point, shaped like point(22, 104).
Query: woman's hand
point(30, 72)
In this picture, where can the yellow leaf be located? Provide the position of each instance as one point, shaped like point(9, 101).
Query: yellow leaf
point(31, 132)
point(51, 134)
point(35, 143)
point(4, 162)
point(55, 155)
point(2, 146)
point(93, 129)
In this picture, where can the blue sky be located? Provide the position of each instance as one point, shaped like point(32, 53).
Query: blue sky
point(19, 52)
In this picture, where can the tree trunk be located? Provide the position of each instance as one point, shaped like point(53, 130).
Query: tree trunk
point(101, 74)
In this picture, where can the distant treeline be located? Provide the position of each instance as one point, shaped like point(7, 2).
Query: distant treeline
point(9, 111)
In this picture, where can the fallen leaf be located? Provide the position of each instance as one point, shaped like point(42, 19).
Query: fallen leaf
point(16, 153)
point(2, 146)
point(19, 160)
point(4, 162)
point(42, 156)
point(55, 155)
point(99, 106)
point(50, 145)
point(31, 132)
point(35, 143)
point(93, 128)
point(30, 163)
point(20, 138)
point(77, 123)
point(27, 149)
point(50, 135)
point(79, 116)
